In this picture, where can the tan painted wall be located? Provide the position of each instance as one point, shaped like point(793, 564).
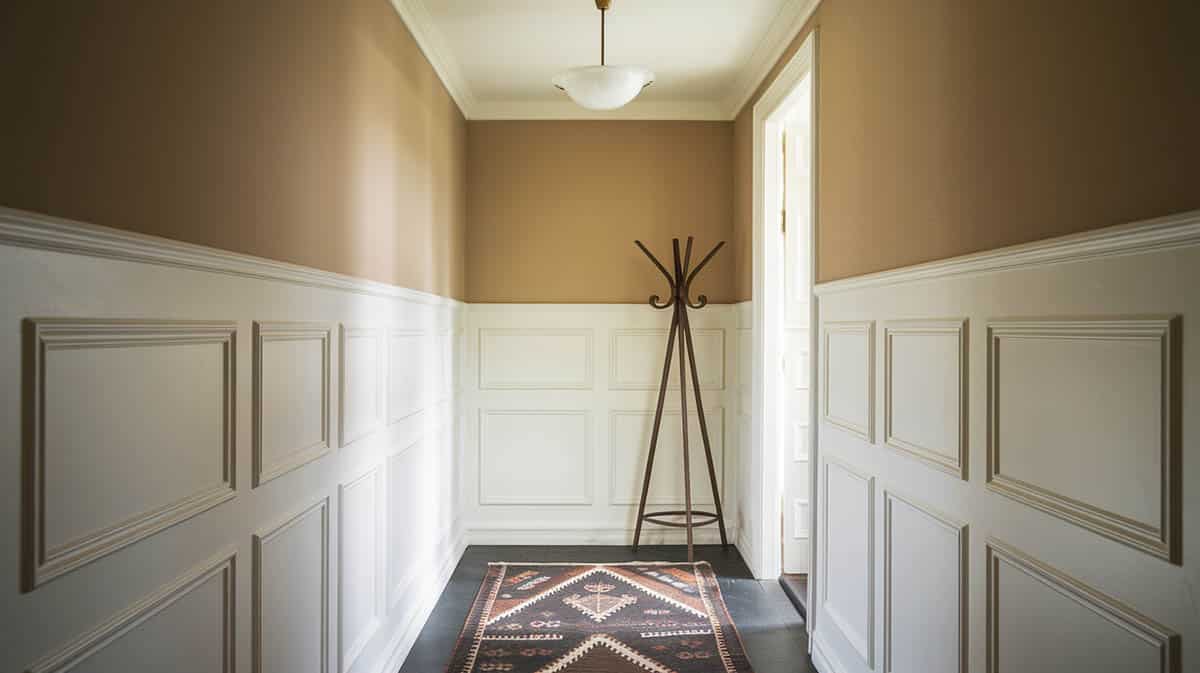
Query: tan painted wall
point(556, 205)
point(948, 127)
point(308, 131)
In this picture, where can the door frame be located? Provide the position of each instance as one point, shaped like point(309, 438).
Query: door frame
point(768, 427)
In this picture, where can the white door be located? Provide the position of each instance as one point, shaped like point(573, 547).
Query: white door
point(797, 275)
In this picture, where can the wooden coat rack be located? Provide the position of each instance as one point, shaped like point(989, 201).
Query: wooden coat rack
point(681, 282)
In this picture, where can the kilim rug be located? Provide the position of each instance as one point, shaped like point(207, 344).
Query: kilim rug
point(589, 618)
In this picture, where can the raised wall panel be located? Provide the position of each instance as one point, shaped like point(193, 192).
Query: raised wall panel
point(636, 359)
point(411, 380)
point(848, 589)
point(799, 362)
point(361, 399)
point(410, 496)
point(629, 438)
point(290, 594)
point(849, 377)
point(533, 359)
point(360, 565)
point(745, 371)
point(925, 391)
point(113, 403)
point(800, 443)
point(925, 566)
point(291, 396)
point(1040, 619)
point(186, 626)
point(535, 457)
point(800, 519)
point(1084, 424)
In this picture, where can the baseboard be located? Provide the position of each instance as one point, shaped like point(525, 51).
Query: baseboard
point(594, 536)
point(822, 659)
point(406, 636)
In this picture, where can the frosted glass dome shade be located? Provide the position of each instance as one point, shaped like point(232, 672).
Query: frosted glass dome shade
point(604, 87)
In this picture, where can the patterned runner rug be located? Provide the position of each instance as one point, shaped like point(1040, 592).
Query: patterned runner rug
point(589, 618)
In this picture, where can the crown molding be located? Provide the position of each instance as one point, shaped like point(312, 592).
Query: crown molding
point(792, 16)
point(784, 29)
point(1161, 233)
point(416, 16)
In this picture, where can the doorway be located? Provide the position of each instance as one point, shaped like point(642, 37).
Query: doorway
point(784, 448)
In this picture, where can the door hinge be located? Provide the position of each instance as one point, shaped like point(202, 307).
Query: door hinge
point(783, 221)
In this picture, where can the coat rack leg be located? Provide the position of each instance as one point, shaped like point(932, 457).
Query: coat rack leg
point(662, 396)
point(712, 472)
point(683, 415)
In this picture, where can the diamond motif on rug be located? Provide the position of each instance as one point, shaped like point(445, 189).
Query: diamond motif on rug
point(594, 618)
point(597, 603)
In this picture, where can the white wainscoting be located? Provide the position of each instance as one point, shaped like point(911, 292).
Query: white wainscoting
point(1039, 618)
point(925, 571)
point(187, 625)
point(849, 377)
point(108, 395)
point(925, 391)
point(187, 400)
point(1115, 406)
point(848, 583)
point(292, 372)
point(1065, 370)
point(361, 564)
point(290, 594)
point(561, 399)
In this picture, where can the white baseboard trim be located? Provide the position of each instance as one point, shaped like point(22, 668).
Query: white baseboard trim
point(822, 659)
point(401, 644)
point(1161, 233)
point(594, 536)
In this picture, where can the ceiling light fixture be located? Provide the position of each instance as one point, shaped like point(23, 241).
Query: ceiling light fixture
point(603, 87)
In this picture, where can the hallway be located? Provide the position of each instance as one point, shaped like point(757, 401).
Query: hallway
point(310, 309)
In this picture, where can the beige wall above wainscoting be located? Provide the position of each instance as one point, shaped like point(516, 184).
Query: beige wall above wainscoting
point(303, 131)
point(950, 127)
point(556, 205)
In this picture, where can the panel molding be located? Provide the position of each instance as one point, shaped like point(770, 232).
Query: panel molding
point(961, 532)
point(958, 327)
point(485, 382)
point(80, 649)
point(801, 443)
point(1167, 642)
point(584, 498)
point(1161, 540)
point(349, 332)
point(393, 358)
point(695, 444)
point(867, 327)
point(264, 333)
point(43, 335)
point(348, 655)
point(614, 365)
point(260, 542)
point(863, 644)
point(800, 519)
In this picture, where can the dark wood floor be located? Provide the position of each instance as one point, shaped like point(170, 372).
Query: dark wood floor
point(771, 629)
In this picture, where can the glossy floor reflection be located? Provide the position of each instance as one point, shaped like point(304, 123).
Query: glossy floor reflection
point(771, 629)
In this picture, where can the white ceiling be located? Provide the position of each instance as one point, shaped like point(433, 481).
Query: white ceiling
point(497, 56)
